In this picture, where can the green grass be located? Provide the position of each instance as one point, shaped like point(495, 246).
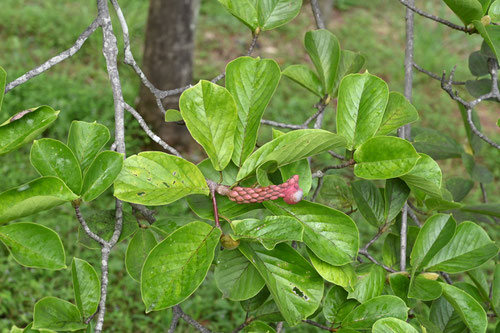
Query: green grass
point(33, 31)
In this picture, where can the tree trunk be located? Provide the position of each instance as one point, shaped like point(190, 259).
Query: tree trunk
point(168, 63)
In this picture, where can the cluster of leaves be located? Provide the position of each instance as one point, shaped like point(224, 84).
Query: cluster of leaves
point(274, 281)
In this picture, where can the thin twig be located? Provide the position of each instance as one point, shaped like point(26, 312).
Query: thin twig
point(403, 237)
point(56, 59)
point(278, 124)
point(414, 216)
point(375, 261)
point(313, 323)
point(446, 277)
point(435, 76)
point(483, 193)
point(279, 327)
point(86, 227)
point(415, 209)
point(376, 237)
point(148, 214)
point(334, 154)
point(247, 322)
point(150, 133)
point(433, 17)
point(192, 322)
point(176, 315)
point(318, 188)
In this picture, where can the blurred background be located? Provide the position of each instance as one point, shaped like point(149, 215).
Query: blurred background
point(35, 30)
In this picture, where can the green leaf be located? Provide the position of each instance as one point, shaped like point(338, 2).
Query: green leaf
point(291, 147)
point(399, 112)
point(493, 12)
point(478, 64)
point(3, 77)
point(477, 172)
point(252, 83)
point(34, 245)
point(329, 233)
point(495, 288)
point(479, 88)
point(392, 325)
point(336, 305)
point(365, 315)
point(390, 250)
point(491, 35)
point(469, 248)
point(459, 187)
point(269, 231)
point(137, 251)
point(40, 194)
point(268, 312)
point(86, 140)
point(255, 302)
point(360, 109)
point(155, 178)
point(426, 176)
point(305, 77)
point(436, 232)
point(210, 114)
point(400, 283)
point(491, 209)
point(57, 314)
point(177, 266)
point(424, 289)
point(396, 193)
point(479, 278)
point(350, 62)
point(53, 158)
point(376, 161)
point(370, 283)
point(466, 10)
point(163, 227)
point(257, 326)
point(102, 222)
point(324, 50)
point(172, 115)
point(468, 308)
point(101, 174)
point(274, 13)
point(243, 10)
point(436, 144)
point(343, 276)
point(16, 133)
point(86, 286)
point(369, 201)
point(445, 317)
point(236, 277)
point(297, 290)
point(335, 192)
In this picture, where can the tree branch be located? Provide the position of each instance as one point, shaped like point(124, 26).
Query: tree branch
point(150, 133)
point(193, 322)
point(375, 261)
point(313, 323)
point(86, 227)
point(320, 24)
point(435, 76)
point(54, 60)
point(410, 6)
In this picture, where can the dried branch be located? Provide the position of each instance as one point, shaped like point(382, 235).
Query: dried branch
point(435, 76)
point(433, 17)
point(150, 133)
point(56, 59)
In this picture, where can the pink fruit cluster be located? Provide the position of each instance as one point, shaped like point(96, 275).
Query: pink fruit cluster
point(289, 191)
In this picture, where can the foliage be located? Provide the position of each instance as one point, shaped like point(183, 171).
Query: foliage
point(284, 263)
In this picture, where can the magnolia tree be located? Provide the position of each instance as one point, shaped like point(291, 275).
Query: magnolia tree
point(287, 259)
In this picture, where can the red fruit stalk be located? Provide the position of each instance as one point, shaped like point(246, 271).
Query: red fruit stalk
point(289, 191)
